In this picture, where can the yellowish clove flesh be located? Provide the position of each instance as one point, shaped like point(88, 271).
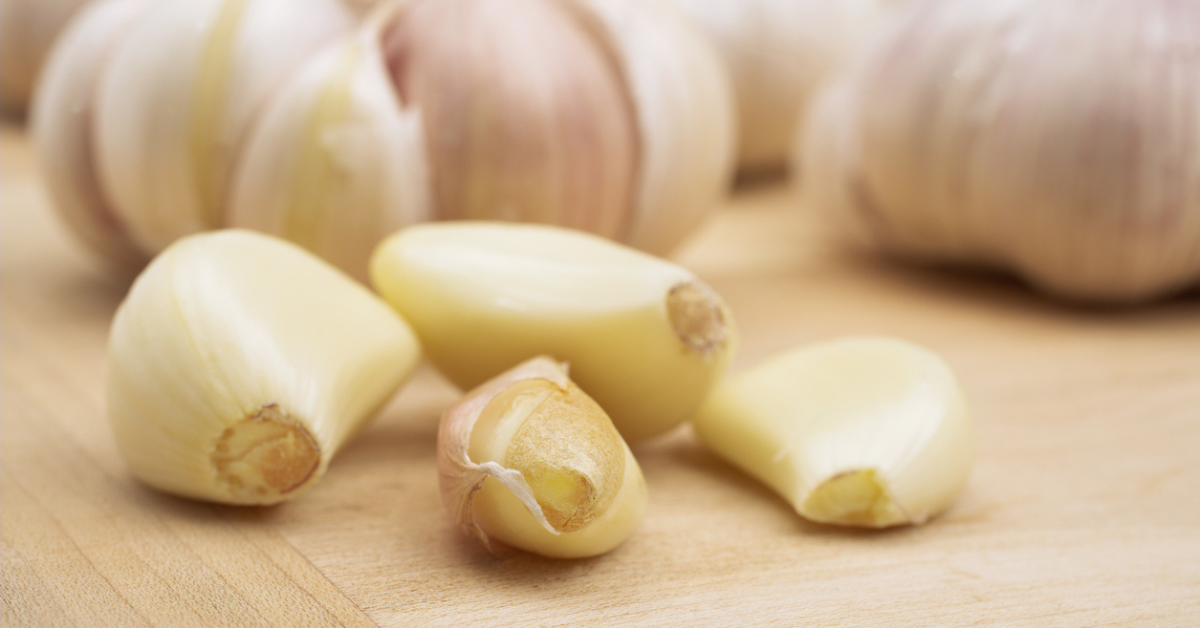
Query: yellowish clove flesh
point(645, 338)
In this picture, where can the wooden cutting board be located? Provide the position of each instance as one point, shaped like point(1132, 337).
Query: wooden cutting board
point(1083, 508)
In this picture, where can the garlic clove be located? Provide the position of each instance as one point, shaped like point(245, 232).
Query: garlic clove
point(685, 116)
point(62, 127)
point(525, 116)
point(335, 164)
point(644, 337)
point(528, 460)
point(239, 364)
point(871, 432)
point(178, 95)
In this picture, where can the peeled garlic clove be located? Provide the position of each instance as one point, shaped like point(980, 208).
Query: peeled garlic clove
point(335, 164)
point(178, 95)
point(779, 54)
point(62, 126)
point(239, 364)
point(644, 337)
point(870, 432)
point(1060, 140)
point(530, 461)
point(27, 31)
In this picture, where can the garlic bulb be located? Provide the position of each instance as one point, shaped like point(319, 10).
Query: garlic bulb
point(28, 28)
point(1058, 139)
point(612, 116)
point(644, 337)
point(239, 364)
point(868, 431)
point(779, 53)
point(530, 461)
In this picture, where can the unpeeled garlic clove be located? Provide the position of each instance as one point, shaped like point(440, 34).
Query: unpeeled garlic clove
point(239, 364)
point(1060, 140)
point(644, 337)
point(62, 126)
point(528, 460)
point(870, 432)
point(612, 117)
point(154, 112)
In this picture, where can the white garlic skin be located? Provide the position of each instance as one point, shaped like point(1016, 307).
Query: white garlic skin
point(1059, 140)
point(28, 29)
point(779, 54)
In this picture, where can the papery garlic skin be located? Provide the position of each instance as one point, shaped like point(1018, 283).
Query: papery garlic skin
point(1060, 140)
point(28, 29)
point(179, 95)
point(62, 130)
point(780, 53)
point(644, 337)
point(527, 460)
point(239, 364)
point(866, 431)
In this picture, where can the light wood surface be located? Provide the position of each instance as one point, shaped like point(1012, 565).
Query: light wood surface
point(1083, 508)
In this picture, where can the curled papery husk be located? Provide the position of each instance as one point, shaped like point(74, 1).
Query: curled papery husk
point(511, 514)
point(28, 29)
point(1058, 139)
point(779, 53)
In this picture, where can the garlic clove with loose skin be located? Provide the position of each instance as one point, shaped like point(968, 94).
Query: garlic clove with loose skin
point(643, 337)
point(177, 99)
point(868, 431)
point(1059, 140)
point(62, 126)
point(528, 460)
point(239, 364)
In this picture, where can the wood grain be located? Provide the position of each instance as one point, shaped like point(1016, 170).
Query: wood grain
point(1083, 508)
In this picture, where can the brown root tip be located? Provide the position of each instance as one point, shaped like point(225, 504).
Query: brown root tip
point(266, 457)
point(696, 316)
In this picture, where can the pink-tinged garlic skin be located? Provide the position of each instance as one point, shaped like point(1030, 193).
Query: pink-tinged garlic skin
point(1059, 140)
point(526, 116)
point(488, 495)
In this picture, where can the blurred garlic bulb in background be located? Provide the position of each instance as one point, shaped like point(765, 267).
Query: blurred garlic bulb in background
point(297, 119)
point(27, 32)
point(1058, 139)
point(779, 52)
